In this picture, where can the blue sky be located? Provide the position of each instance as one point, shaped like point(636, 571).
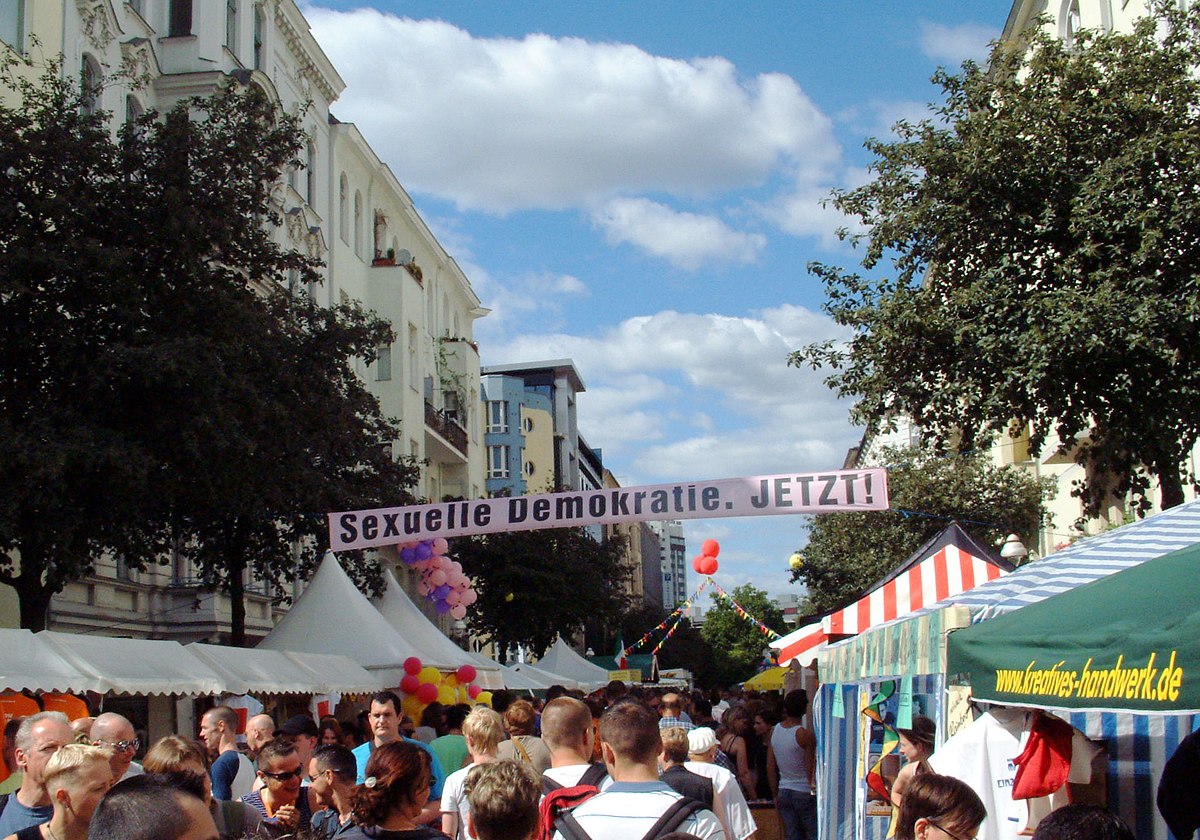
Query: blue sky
point(636, 186)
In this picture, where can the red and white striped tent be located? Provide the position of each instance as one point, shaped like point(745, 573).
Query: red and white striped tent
point(949, 564)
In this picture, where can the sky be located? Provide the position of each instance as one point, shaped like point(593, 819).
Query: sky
point(637, 186)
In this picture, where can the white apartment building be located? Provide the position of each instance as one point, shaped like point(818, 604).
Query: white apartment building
point(345, 207)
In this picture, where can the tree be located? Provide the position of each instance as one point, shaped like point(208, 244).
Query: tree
point(163, 388)
point(737, 642)
point(847, 552)
point(685, 649)
point(536, 585)
point(1044, 229)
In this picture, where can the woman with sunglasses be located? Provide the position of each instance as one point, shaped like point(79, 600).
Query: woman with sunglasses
point(939, 808)
point(388, 804)
point(286, 808)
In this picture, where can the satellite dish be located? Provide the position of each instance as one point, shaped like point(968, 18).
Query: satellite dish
point(403, 257)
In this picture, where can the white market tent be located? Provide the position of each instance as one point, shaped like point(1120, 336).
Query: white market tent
point(408, 620)
point(29, 662)
point(332, 616)
point(261, 671)
point(541, 676)
point(136, 666)
point(560, 659)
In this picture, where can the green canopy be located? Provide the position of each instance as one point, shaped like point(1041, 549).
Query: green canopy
point(1129, 642)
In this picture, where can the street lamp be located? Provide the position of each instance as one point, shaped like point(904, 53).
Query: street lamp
point(1013, 549)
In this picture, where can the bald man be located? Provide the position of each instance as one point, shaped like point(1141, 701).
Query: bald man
point(259, 730)
point(114, 731)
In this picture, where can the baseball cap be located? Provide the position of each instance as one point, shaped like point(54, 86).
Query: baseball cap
point(298, 725)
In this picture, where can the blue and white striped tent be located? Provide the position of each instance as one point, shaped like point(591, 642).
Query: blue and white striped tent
point(1138, 745)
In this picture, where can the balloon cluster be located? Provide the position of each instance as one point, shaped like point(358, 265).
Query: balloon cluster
point(442, 580)
point(705, 563)
point(423, 684)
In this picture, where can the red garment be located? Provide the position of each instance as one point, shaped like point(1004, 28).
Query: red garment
point(1044, 764)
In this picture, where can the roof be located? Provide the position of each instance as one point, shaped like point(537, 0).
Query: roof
point(262, 671)
point(30, 662)
point(803, 643)
point(566, 366)
point(560, 659)
point(136, 666)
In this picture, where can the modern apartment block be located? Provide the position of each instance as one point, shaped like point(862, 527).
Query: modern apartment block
point(672, 561)
point(344, 207)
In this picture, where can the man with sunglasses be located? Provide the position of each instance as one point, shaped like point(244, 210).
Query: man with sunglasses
point(231, 772)
point(115, 732)
point(285, 806)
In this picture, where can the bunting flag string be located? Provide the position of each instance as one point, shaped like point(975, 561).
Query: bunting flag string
point(669, 634)
point(676, 616)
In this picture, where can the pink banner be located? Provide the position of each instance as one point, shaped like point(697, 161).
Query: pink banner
point(767, 495)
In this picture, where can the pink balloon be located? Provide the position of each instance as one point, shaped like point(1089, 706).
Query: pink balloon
point(458, 612)
point(454, 564)
point(440, 545)
point(410, 684)
point(423, 588)
point(412, 665)
point(454, 598)
point(711, 548)
point(466, 674)
point(427, 692)
point(709, 567)
point(469, 597)
point(437, 577)
point(698, 564)
point(474, 691)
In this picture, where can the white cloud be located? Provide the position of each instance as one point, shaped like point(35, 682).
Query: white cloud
point(682, 395)
point(952, 45)
point(687, 240)
point(500, 124)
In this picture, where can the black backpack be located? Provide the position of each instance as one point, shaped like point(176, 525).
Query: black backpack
point(672, 818)
point(593, 776)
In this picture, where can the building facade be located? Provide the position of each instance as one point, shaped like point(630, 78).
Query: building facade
point(672, 561)
point(343, 207)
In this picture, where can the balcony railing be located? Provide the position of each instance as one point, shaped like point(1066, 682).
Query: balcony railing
point(447, 424)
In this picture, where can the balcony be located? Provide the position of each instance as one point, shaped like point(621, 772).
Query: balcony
point(447, 426)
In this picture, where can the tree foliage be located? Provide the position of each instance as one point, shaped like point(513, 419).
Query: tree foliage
point(686, 649)
point(1044, 231)
point(847, 552)
point(536, 585)
point(737, 643)
point(164, 388)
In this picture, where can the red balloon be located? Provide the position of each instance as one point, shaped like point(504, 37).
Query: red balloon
point(709, 566)
point(412, 665)
point(711, 548)
point(465, 674)
point(473, 691)
point(410, 684)
point(427, 692)
point(698, 564)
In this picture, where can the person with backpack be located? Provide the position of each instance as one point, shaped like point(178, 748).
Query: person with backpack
point(567, 734)
point(637, 804)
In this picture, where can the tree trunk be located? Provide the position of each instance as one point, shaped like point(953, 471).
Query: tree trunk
point(237, 587)
point(35, 602)
point(1171, 486)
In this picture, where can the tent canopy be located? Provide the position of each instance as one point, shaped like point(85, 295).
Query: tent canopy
point(1130, 641)
point(30, 662)
point(803, 643)
point(402, 614)
point(262, 671)
point(332, 616)
point(560, 659)
point(768, 679)
point(136, 666)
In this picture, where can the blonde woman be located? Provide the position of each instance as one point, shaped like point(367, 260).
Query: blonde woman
point(174, 754)
point(76, 777)
point(484, 730)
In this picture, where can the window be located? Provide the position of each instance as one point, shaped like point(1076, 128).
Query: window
point(133, 109)
point(343, 213)
point(231, 25)
point(1070, 23)
point(136, 5)
point(90, 84)
point(527, 425)
point(260, 24)
point(358, 222)
point(497, 416)
point(12, 23)
point(383, 364)
point(310, 173)
point(413, 377)
point(497, 462)
point(530, 469)
point(180, 21)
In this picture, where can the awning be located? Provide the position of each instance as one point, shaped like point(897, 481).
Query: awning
point(262, 671)
point(339, 673)
point(544, 678)
point(769, 679)
point(803, 644)
point(137, 666)
point(914, 645)
point(29, 662)
point(1128, 642)
point(950, 568)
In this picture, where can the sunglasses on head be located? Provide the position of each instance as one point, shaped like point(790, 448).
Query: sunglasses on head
point(285, 775)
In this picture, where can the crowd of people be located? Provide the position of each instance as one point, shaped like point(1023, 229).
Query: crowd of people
point(618, 764)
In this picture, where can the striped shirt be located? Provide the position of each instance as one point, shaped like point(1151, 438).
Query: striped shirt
point(627, 810)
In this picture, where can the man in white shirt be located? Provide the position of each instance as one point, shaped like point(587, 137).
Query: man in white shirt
point(729, 804)
point(567, 733)
point(116, 732)
point(637, 798)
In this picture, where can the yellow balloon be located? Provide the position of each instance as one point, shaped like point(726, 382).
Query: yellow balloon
point(447, 695)
point(429, 674)
point(463, 696)
point(412, 707)
point(450, 680)
point(796, 561)
point(484, 697)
